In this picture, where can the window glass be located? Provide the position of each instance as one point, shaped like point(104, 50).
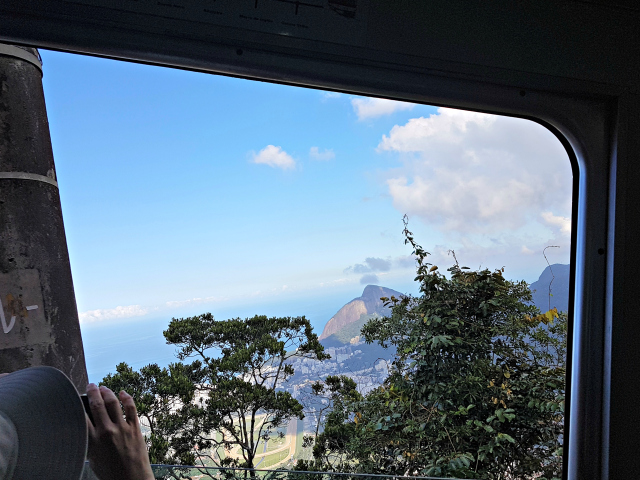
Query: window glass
point(185, 193)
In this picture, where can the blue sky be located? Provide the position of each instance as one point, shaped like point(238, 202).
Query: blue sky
point(184, 193)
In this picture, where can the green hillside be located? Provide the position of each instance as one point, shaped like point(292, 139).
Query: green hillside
point(346, 333)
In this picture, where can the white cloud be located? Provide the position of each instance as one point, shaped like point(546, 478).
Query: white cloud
point(377, 107)
point(369, 279)
point(112, 313)
point(563, 223)
point(406, 261)
point(326, 154)
point(521, 262)
point(374, 267)
point(445, 128)
point(371, 264)
point(331, 94)
point(132, 311)
point(275, 157)
point(466, 172)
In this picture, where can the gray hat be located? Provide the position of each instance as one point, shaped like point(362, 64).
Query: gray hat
point(44, 408)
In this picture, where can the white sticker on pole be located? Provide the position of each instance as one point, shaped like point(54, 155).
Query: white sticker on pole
point(22, 318)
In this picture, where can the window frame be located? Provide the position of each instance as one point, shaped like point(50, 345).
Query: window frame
point(592, 120)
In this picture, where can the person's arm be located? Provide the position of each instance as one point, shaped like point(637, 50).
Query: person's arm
point(117, 450)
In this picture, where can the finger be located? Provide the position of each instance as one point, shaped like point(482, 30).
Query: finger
point(129, 409)
point(96, 405)
point(112, 404)
point(91, 434)
point(90, 427)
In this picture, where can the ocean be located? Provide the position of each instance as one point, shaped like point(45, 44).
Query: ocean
point(139, 341)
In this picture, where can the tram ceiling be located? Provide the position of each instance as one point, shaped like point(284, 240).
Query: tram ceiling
point(558, 45)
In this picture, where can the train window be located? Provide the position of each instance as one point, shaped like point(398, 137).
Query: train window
point(185, 193)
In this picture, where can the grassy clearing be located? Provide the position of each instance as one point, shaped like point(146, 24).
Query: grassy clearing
point(302, 453)
point(271, 460)
point(276, 442)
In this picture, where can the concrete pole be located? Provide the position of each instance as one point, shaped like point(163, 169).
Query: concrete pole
point(39, 317)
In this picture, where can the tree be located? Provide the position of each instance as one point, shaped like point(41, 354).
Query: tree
point(476, 389)
point(234, 397)
point(161, 396)
point(325, 398)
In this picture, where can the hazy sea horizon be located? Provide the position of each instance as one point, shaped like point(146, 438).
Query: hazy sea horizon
point(139, 341)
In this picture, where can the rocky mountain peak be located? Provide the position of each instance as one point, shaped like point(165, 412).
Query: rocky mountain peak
point(554, 280)
point(356, 312)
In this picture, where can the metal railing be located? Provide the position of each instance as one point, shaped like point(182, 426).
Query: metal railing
point(180, 472)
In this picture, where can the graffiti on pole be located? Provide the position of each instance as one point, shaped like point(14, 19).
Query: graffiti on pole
point(22, 312)
point(7, 327)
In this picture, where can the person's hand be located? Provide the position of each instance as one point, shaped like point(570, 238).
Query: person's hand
point(117, 450)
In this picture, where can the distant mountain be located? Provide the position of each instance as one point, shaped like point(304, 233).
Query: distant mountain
point(367, 364)
point(559, 288)
point(344, 326)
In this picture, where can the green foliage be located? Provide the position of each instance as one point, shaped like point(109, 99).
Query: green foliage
point(476, 389)
point(160, 395)
point(228, 397)
point(335, 393)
